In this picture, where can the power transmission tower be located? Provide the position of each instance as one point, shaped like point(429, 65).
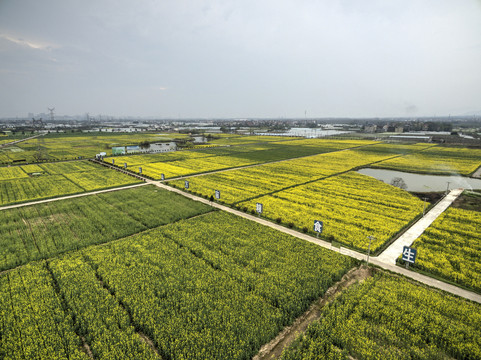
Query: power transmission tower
point(51, 113)
point(37, 123)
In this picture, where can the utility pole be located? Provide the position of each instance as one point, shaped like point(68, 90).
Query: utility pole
point(447, 189)
point(370, 237)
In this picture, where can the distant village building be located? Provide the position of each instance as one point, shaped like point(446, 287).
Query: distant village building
point(371, 128)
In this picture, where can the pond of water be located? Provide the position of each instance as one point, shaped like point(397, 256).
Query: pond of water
point(424, 183)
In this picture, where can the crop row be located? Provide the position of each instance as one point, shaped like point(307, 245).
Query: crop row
point(450, 248)
point(386, 317)
point(203, 288)
point(240, 185)
point(33, 324)
point(72, 146)
point(192, 162)
point(45, 230)
point(33, 182)
point(351, 206)
point(439, 160)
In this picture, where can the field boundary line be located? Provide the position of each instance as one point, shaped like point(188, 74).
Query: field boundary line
point(20, 140)
point(455, 290)
point(231, 168)
point(2, 272)
point(393, 251)
point(13, 206)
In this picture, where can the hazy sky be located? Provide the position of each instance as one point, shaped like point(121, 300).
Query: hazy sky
point(270, 58)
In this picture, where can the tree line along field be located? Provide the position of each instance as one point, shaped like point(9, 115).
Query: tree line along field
point(45, 230)
point(182, 163)
point(387, 317)
point(450, 248)
point(41, 181)
point(202, 288)
point(63, 146)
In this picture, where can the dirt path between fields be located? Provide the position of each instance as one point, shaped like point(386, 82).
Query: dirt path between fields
point(20, 140)
point(274, 348)
point(35, 202)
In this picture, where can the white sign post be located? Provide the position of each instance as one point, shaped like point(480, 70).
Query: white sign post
point(259, 208)
point(318, 227)
point(217, 194)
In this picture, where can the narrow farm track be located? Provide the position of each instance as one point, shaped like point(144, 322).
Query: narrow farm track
point(378, 261)
point(286, 337)
point(70, 196)
point(100, 244)
point(390, 255)
point(239, 167)
point(18, 141)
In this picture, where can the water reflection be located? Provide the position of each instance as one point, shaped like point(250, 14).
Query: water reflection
point(424, 183)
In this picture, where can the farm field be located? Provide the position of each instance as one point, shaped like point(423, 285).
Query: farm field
point(41, 181)
point(190, 162)
point(387, 317)
point(202, 288)
point(450, 248)
point(45, 230)
point(352, 207)
point(72, 146)
point(146, 273)
point(230, 139)
point(437, 160)
point(243, 184)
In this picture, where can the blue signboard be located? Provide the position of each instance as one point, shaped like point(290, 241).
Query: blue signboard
point(125, 165)
point(186, 184)
point(162, 177)
point(217, 194)
point(409, 254)
point(259, 208)
point(318, 226)
point(140, 170)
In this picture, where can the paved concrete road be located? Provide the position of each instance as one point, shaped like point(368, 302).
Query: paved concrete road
point(390, 255)
point(376, 261)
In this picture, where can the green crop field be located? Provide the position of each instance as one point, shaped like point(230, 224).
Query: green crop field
point(190, 162)
point(240, 185)
point(450, 248)
point(437, 160)
point(68, 146)
point(387, 317)
point(45, 230)
point(146, 273)
point(34, 182)
point(203, 288)
point(352, 207)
